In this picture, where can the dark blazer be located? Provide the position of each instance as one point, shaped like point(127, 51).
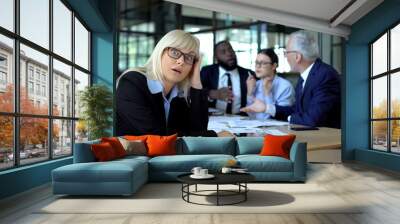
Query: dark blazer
point(210, 78)
point(319, 103)
point(140, 112)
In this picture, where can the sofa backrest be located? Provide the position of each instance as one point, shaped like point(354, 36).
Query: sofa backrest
point(206, 145)
point(83, 152)
point(249, 145)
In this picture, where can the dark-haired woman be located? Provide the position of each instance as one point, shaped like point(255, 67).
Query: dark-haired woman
point(270, 89)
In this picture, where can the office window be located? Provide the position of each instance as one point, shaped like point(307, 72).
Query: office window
point(195, 19)
point(62, 137)
point(62, 29)
point(3, 78)
point(139, 32)
point(81, 45)
point(6, 142)
point(43, 133)
point(7, 14)
point(30, 72)
point(385, 96)
point(244, 43)
point(207, 43)
point(63, 73)
point(41, 65)
point(6, 71)
point(3, 61)
point(30, 87)
point(34, 145)
point(81, 82)
point(136, 49)
point(34, 21)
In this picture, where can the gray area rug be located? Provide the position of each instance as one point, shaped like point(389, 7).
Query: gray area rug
point(166, 198)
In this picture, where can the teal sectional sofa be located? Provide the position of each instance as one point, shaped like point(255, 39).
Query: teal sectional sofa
point(125, 176)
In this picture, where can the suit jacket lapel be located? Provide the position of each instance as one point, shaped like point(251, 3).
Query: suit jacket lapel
point(243, 87)
point(159, 103)
point(310, 79)
point(215, 77)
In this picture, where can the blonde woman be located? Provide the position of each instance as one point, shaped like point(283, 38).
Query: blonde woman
point(166, 95)
point(270, 89)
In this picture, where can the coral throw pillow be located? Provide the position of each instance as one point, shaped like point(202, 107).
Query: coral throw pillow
point(161, 145)
point(134, 138)
point(103, 152)
point(116, 145)
point(277, 145)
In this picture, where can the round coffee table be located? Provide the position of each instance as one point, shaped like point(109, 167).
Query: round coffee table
point(238, 179)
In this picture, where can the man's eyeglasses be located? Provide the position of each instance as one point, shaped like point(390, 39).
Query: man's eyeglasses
point(263, 63)
point(176, 54)
point(285, 53)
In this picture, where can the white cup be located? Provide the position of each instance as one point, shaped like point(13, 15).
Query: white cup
point(196, 170)
point(226, 170)
point(203, 172)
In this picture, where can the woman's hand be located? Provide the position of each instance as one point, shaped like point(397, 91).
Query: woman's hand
point(256, 107)
point(251, 84)
point(195, 80)
point(225, 134)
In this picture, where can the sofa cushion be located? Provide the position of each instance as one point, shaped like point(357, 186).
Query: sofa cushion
point(206, 145)
point(249, 145)
point(257, 163)
point(185, 163)
point(93, 172)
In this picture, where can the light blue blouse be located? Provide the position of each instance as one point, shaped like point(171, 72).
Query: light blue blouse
point(282, 94)
point(156, 86)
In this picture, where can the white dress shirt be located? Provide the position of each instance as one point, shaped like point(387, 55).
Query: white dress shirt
point(223, 82)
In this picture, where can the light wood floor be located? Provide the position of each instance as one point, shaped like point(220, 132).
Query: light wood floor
point(378, 189)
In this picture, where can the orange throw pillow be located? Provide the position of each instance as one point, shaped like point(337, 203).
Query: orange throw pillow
point(277, 145)
point(161, 145)
point(116, 145)
point(103, 151)
point(134, 138)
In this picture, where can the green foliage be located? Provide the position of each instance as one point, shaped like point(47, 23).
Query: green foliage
point(96, 104)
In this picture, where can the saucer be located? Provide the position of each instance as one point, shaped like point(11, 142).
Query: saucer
point(208, 176)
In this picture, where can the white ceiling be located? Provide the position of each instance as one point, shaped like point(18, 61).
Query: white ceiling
point(324, 16)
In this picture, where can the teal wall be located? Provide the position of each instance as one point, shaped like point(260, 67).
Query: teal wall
point(99, 16)
point(356, 125)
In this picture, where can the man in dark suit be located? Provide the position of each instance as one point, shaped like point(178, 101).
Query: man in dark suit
point(225, 81)
point(317, 90)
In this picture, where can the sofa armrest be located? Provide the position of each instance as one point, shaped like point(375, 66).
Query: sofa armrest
point(83, 152)
point(298, 155)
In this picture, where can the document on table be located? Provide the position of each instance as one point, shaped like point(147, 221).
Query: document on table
point(240, 124)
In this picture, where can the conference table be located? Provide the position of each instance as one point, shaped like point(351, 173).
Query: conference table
point(322, 139)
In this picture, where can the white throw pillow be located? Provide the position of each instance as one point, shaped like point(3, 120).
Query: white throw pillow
point(136, 147)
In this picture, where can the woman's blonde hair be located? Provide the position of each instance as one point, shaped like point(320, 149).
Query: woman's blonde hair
point(178, 39)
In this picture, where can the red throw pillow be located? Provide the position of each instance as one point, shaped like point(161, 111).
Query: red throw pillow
point(116, 145)
point(277, 145)
point(161, 145)
point(103, 151)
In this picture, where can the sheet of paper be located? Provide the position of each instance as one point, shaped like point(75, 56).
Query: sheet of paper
point(274, 132)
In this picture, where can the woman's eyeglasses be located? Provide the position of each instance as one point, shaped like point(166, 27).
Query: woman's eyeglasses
point(263, 63)
point(176, 54)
